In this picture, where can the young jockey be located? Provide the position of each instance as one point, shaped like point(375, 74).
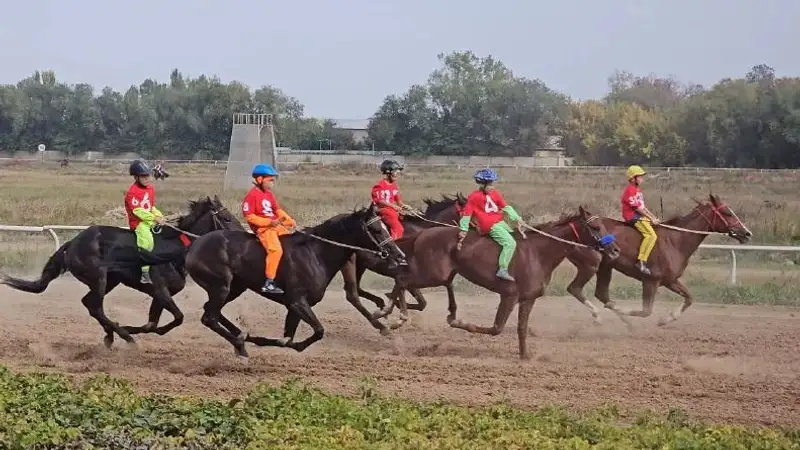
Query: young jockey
point(487, 206)
point(386, 196)
point(140, 205)
point(635, 213)
point(267, 220)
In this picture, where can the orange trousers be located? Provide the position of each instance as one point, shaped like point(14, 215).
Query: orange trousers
point(269, 239)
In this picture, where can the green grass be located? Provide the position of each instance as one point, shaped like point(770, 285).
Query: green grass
point(50, 411)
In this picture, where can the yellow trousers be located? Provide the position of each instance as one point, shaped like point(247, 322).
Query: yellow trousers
point(648, 237)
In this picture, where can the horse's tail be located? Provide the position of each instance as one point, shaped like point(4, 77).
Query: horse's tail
point(54, 268)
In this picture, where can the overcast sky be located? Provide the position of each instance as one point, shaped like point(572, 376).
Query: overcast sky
point(340, 58)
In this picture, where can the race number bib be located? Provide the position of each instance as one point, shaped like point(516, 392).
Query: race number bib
point(266, 207)
point(490, 206)
point(386, 195)
point(144, 203)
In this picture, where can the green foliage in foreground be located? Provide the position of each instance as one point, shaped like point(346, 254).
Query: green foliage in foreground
point(48, 411)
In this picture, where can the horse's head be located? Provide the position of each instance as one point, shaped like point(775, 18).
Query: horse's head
point(722, 219)
point(593, 233)
point(207, 215)
point(377, 233)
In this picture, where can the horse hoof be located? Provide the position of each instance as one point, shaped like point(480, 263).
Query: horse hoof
point(244, 360)
point(284, 341)
point(108, 341)
point(386, 332)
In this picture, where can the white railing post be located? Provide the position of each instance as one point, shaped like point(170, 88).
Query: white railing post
point(733, 267)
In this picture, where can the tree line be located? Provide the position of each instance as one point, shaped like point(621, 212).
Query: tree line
point(470, 105)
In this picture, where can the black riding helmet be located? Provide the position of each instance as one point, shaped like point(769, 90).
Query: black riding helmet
point(391, 165)
point(138, 168)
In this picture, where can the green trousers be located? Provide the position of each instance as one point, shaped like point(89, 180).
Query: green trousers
point(501, 233)
point(144, 239)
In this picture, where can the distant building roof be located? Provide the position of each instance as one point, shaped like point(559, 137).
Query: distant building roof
point(352, 124)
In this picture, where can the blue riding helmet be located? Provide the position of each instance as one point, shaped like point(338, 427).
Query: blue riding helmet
point(264, 170)
point(485, 176)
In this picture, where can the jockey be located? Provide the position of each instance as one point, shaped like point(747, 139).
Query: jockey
point(635, 213)
point(140, 206)
point(267, 220)
point(386, 196)
point(487, 205)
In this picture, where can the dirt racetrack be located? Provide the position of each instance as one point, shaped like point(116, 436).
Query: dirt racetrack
point(731, 364)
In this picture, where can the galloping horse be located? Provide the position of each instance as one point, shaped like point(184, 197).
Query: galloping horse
point(437, 213)
point(435, 259)
point(227, 263)
point(103, 257)
point(678, 239)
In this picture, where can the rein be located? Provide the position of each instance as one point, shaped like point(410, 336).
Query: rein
point(716, 213)
point(556, 238)
point(343, 245)
point(419, 215)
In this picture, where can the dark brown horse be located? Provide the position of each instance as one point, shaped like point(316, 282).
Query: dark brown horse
point(677, 240)
point(227, 263)
point(103, 257)
point(434, 260)
point(438, 213)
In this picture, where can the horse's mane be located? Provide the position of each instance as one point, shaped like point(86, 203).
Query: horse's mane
point(336, 220)
point(562, 219)
point(437, 206)
point(196, 209)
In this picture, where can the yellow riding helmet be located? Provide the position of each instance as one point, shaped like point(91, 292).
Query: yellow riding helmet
point(634, 171)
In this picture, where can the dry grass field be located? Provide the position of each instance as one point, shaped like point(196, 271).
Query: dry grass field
point(768, 203)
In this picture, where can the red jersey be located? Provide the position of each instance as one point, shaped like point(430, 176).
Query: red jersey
point(487, 209)
point(631, 199)
point(261, 203)
point(138, 197)
point(384, 191)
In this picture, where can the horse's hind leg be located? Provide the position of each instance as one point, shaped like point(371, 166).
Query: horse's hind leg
point(93, 302)
point(679, 288)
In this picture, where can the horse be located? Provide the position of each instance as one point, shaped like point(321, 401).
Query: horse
point(103, 257)
point(678, 239)
point(227, 263)
point(435, 259)
point(437, 213)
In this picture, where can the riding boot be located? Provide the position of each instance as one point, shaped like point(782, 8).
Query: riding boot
point(503, 273)
point(270, 288)
point(146, 278)
point(642, 267)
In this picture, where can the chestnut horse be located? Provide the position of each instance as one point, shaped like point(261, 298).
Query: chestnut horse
point(435, 259)
point(678, 239)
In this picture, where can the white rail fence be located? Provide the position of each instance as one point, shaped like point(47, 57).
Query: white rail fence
point(51, 229)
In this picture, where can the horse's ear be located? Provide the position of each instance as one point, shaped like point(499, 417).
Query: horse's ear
point(217, 200)
point(208, 199)
point(582, 210)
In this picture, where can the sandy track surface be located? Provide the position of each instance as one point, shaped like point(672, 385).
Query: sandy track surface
point(736, 364)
